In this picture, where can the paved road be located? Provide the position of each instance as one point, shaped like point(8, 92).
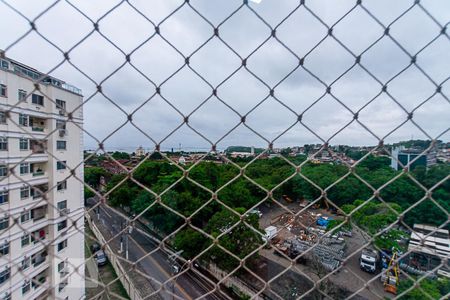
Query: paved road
point(156, 265)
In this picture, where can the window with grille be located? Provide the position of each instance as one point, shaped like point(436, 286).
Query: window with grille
point(5, 274)
point(61, 145)
point(25, 240)
point(25, 216)
point(60, 104)
point(26, 286)
point(61, 165)
point(4, 197)
point(24, 144)
point(2, 117)
point(62, 205)
point(4, 223)
point(61, 185)
point(61, 245)
point(3, 170)
point(3, 90)
point(24, 168)
point(24, 192)
point(62, 285)
point(60, 124)
point(3, 144)
point(23, 120)
point(4, 249)
point(62, 225)
point(22, 95)
point(37, 99)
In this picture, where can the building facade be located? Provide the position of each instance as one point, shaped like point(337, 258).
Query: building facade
point(411, 158)
point(41, 203)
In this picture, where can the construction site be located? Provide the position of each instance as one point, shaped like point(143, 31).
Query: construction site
point(294, 235)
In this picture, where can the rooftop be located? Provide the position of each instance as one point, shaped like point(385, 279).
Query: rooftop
point(27, 71)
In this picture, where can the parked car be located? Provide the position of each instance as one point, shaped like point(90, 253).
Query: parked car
point(100, 258)
point(95, 247)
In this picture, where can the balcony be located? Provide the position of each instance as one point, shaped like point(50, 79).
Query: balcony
point(38, 146)
point(38, 280)
point(37, 124)
point(37, 169)
point(39, 214)
point(38, 191)
point(39, 258)
point(39, 235)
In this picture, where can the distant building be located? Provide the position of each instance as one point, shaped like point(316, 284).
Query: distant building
point(411, 158)
point(428, 247)
point(140, 151)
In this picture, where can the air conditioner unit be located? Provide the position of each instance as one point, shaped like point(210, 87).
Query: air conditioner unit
point(62, 112)
point(64, 212)
point(62, 132)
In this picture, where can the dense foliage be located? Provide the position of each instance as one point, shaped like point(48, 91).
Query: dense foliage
point(433, 288)
point(187, 199)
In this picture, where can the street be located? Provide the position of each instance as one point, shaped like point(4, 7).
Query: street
point(157, 266)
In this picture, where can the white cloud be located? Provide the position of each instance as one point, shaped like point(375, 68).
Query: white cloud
point(186, 30)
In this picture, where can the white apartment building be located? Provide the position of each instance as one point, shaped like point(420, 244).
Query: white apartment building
point(41, 204)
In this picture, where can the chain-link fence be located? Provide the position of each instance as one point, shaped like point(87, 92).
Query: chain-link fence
point(278, 221)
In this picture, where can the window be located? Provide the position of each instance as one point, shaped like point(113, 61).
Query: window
point(24, 168)
point(61, 165)
point(24, 144)
point(37, 99)
point(22, 95)
point(62, 205)
point(26, 262)
point(25, 240)
point(3, 144)
point(61, 145)
point(24, 192)
point(62, 285)
point(25, 216)
point(60, 104)
point(4, 223)
point(4, 196)
point(61, 266)
point(4, 275)
point(62, 245)
point(60, 124)
point(61, 225)
point(23, 120)
point(2, 117)
point(4, 249)
point(61, 185)
point(4, 64)
point(3, 90)
point(3, 170)
point(7, 296)
point(26, 286)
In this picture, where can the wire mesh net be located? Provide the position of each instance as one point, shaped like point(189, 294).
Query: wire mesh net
point(271, 222)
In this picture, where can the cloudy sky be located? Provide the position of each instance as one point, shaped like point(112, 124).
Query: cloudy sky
point(216, 63)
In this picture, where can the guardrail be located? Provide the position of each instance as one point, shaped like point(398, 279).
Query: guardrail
point(131, 289)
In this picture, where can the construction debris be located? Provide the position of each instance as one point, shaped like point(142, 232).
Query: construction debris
point(299, 233)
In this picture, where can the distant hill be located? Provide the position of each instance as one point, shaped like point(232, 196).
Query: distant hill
point(242, 149)
point(422, 144)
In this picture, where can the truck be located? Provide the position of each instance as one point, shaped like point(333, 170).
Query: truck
point(270, 232)
point(368, 260)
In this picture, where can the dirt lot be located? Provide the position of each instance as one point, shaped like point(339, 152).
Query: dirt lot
point(106, 275)
point(349, 277)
